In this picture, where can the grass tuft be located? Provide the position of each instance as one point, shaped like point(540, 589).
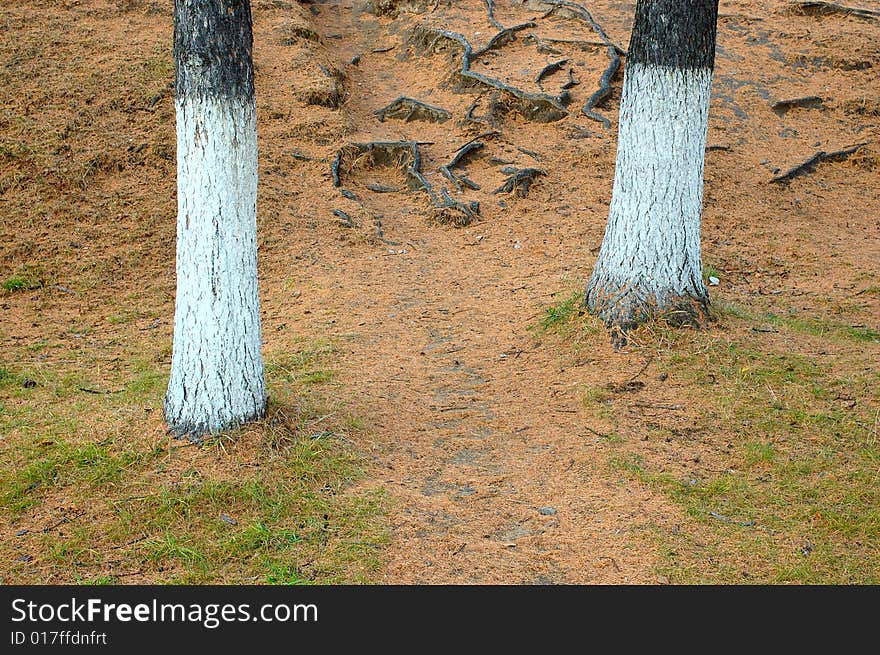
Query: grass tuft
point(275, 501)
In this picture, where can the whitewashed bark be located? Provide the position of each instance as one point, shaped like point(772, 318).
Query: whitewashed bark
point(649, 263)
point(217, 378)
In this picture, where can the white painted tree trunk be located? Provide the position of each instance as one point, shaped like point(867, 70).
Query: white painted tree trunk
point(217, 378)
point(649, 264)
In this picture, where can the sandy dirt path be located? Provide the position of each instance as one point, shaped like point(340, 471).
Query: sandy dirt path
point(479, 432)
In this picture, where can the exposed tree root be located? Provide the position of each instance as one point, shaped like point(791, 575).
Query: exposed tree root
point(334, 169)
point(519, 181)
point(548, 70)
point(469, 114)
point(471, 146)
point(452, 212)
point(448, 211)
point(296, 29)
point(397, 154)
point(375, 187)
point(531, 153)
point(490, 9)
point(623, 310)
point(820, 8)
point(537, 107)
point(348, 222)
point(604, 90)
point(579, 11)
point(505, 36)
point(542, 45)
point(457, 179)
point(409, 109)
point(344, 219)
point(407, 156)
point(810, 164)
point(612, 49)
point(782, 106)
point(579, 44)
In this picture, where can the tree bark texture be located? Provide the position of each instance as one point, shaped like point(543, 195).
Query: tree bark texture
point(217, 376)
point(649, 264)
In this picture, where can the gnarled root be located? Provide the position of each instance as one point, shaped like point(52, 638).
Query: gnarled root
point(622, 309)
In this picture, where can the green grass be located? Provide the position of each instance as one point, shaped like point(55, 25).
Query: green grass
point(801, 325)
point(293, 518)
point(758, 452)
point(57, 462)
point(710, 271)
point(271, 502)
point(568, 319)
point(283, 574)
point(304, 366)
point(562, 312)
point(796, 496)
point(8, 378)
point(26, 278)
point(595, 394)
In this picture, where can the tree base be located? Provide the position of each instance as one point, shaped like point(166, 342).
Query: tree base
point(196, 430)
point(624, 310)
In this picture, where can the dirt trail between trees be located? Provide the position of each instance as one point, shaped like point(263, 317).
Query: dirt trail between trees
point(479, 431)
point(481, 437)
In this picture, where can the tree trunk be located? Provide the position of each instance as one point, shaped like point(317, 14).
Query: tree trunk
point(217, 377)
point(649, 264)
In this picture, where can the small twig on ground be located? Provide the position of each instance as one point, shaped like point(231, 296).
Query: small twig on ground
point(643, 369)
point(97, 392)
point(601, 435)
point(129, 543)
point(128, 574)
point(821, 8)
point(613, 562)
point(645, 405)
point(64, 519)
point(725, 519)
point(810, 164)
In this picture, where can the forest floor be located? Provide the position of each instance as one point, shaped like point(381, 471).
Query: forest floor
point(441, 409)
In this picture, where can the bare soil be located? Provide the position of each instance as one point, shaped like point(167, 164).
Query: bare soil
point(478, 429)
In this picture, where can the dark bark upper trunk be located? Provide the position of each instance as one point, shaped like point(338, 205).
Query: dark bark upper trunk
point(213, 45)
point(674, 33)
